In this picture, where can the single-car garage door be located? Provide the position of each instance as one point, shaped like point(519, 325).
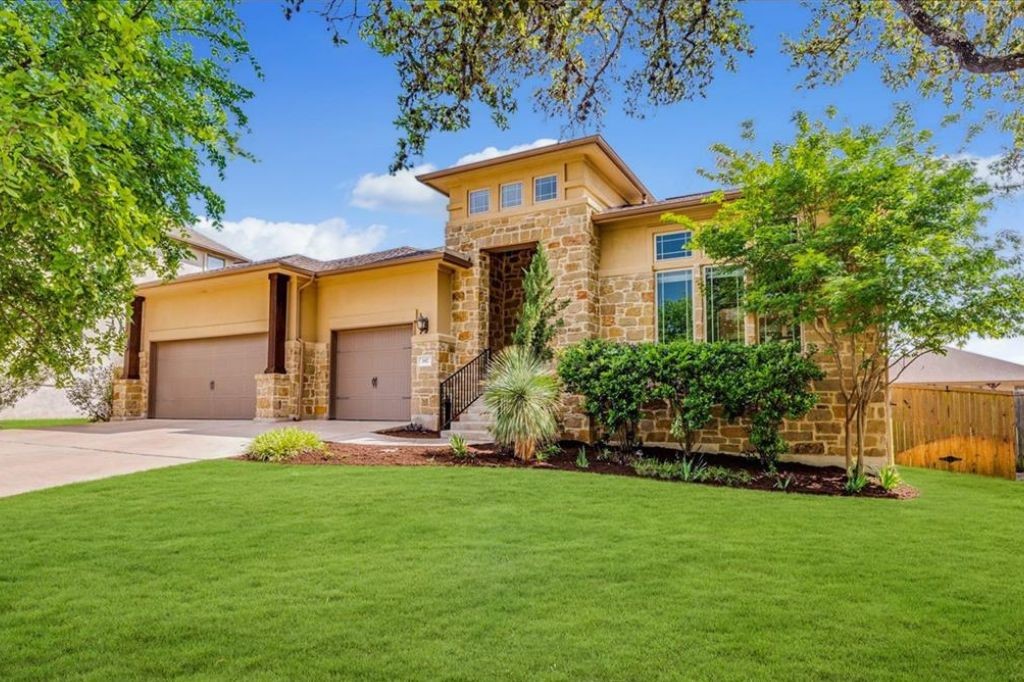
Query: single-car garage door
point(372, 373)
point(207, 378)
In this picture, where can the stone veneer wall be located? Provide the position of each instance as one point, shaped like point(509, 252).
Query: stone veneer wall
point(316, 382)
point(507, 272)
point(277, 394)
point(131, 396)
point(571, 239)
point(426, 378)
point(628, 314)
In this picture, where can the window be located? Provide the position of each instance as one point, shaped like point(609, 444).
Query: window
point(773, 329)
point(546, 188)
point(480, 201)
point(723, 293)
point(672, 245)
point(214, 262)
point(512, 195)
point(675, 305)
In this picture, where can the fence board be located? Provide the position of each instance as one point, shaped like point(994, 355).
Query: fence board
point(960, 430)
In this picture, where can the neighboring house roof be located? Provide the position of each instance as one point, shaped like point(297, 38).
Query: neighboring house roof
point(201, 241)
point(436, 179)
point(661, 206)
point(312, 266)
point(961, 367)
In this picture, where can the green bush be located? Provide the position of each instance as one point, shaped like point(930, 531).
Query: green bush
point(889, 477)
point(283, 444)
point(581, 459)
point(854, 483)
point(614, 381)
point(458, 445)
point(525, 400)
point(682, 375)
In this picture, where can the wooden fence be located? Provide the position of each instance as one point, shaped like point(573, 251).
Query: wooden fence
point(959, 430)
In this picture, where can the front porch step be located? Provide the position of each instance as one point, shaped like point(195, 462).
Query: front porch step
point(472, 437)
point(473, 424)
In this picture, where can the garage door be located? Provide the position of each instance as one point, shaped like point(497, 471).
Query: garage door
point(207, 378)
point(372, 373)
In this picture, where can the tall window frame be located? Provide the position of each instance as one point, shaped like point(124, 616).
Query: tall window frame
point(679, 324)
point(723, 292)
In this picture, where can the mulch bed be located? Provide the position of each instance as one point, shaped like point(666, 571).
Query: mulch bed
point(805, 478)
point(409, 432)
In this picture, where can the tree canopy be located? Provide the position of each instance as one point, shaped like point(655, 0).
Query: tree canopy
point(575, 54)
point(109, 111)
point(869, 238)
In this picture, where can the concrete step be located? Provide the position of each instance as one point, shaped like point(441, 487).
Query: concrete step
point(470, 436)
point(472, 424)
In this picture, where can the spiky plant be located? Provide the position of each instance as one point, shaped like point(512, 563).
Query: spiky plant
point(524, 396)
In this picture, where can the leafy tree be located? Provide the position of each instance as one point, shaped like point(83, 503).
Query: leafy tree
point(109, 111)
point(450, 54)
point(539, 319)
point(870, 239)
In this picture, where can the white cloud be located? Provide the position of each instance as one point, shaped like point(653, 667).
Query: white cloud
point(398, 192)
point(491, 152)
point(258, 238)
point(984, 168)
point(1011, 349)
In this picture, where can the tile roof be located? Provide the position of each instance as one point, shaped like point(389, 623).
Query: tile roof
point(190, 236)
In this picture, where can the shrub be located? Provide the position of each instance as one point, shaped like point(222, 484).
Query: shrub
point(581, 459)
point(726, 476)
point(680, 376)
point(855, 482)
point(539, 318)
point(525, 399)
point(458, 445)
point(548, 451)
point(691, 469)
point(784, 481)
point(650, 467)
point(93, 392)
point(889, 477)
point(615, 383)
point(282, 444)
point(13, 390)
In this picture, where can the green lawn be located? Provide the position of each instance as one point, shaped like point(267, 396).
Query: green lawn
point(238, 570)
point(40, 423)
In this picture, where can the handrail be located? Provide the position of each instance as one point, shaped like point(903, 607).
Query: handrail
point(463, 387)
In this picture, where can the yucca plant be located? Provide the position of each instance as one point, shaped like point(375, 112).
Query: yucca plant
point(524, 397)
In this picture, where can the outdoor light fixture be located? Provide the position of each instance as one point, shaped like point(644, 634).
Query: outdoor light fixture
point(422, 323)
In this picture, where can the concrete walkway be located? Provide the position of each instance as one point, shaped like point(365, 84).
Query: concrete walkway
point(32, 459)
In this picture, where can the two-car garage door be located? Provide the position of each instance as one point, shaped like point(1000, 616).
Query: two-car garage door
point(211, 378)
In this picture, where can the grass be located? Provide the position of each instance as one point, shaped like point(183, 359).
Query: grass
point(40, 423)
point(231, 569)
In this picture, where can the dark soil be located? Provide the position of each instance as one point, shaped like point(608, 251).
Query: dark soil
point(409, 432)
point(805, 478)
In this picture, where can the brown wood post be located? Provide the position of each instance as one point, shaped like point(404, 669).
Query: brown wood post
point(131, 358)
point(278, 323)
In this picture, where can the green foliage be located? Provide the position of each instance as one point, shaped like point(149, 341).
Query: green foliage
point(686, 375)
point(855, 482)
point(581, 459)
point(889, 477)
point(460, 450)
point(727, 476)
point(614, 380)
point(110, 112)
point(857, 233)
point(92, 392)
point(691, 469)
point(282, 444)
point(548, 452)
point(783, 481)
point(525, 400)
point(540, 317)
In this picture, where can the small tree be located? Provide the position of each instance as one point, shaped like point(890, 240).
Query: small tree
point(872, 241)
point(540, 317)
point(93, 392)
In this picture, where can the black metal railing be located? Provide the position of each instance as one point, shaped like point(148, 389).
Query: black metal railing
point(463, 387)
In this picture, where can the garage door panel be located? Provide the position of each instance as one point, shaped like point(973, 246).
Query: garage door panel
point(384, 354)
point(212, 378)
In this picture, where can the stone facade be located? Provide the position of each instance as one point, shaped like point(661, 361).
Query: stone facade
point(316, 380)
point(277, 395)
point(131, 396)
point(507, 272)
point(433, 359)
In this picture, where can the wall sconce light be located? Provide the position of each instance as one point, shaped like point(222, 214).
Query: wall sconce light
point(422, 323)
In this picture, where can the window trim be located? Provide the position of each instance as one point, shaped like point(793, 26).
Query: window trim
point(486, 191)
point(545, 177)
point(654, 244)
point(657, 304)
point(501, 195)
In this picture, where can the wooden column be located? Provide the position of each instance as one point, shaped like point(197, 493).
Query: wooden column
point(278, 323)
point(131, 358)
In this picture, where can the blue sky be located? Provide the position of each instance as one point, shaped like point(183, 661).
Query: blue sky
point(321, 130)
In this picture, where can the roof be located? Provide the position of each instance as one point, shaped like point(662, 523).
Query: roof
point(312, 266)
point(661, 206)
point(431, 179)
point(190, 236)
point(960, 367)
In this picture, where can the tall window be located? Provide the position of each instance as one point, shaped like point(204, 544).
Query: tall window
point(512, 195)
point(672, 245)
point(723, 293)
point(675, 305)
point(546, 188)
point(480, 201)
point(773, 329)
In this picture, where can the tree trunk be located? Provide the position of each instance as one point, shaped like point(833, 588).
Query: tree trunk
point(847, 425)
point(861, 423)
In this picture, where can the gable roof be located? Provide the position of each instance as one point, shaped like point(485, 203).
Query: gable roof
point(961, 367)
point(661, 206)
point(201, 241)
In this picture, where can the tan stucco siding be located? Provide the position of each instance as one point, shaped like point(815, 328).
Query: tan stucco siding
point(219, 307)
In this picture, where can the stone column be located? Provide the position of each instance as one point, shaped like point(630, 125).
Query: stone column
point(433, 359)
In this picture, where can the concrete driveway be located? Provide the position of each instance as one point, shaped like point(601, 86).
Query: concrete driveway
point(31, 459)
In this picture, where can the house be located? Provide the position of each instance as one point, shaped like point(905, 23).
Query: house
point(376, 336)
point(960, 369)
point(49, 401)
